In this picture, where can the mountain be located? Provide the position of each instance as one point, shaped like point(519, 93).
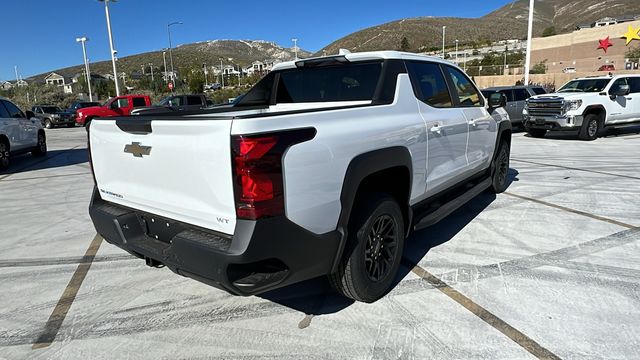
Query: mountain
point(508, 22)
point(242, 52)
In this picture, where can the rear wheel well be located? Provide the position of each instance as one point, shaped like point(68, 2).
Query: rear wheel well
point(5, 140)
point(394, 181)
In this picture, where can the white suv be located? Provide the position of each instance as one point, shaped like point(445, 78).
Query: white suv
point(587, 105)
point(19, 133)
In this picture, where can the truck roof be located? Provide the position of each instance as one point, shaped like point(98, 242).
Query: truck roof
point(606, 77)
point(364, 56)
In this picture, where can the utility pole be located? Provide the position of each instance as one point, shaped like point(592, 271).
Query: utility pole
point(456, 51)
point(204, 67)
point(465, 61)
point(113, 51)
point(504, 69)
point(151, 68)
point(221, 73)
point(15, 68)
point(527, 64)
point(444, 28)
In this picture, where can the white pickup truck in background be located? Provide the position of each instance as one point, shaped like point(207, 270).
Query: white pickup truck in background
point(588, 105)
point(323, 168)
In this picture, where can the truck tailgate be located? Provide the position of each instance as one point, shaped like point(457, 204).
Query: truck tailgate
point(180, 170)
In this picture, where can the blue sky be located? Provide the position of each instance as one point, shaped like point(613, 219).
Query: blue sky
point(39, 35)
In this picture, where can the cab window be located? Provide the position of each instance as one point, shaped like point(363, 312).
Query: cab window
point(428, 84)
point(120, 103)
point(4, 114)
point(13, 110)
point(634, 85)
point(139, 102)
point(616, 84)
point(468, 95)
point(521, 94)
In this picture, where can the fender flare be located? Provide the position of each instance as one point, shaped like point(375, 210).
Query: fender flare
point(359, 168)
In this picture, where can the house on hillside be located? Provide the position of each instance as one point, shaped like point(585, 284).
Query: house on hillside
point(260, 67)
point(59, 80)
point(6, 85)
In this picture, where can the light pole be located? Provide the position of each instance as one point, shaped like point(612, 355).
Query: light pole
point(456, 51)
point(204, 67)
point(164, 60)
point(504, 69)
point(15, 68)
point(444, 28)
point(83, 40)
point(221, 74)
point(295, 47)
point(113, 51)
point(170, 50)
point(527, 63)
point(151, 69)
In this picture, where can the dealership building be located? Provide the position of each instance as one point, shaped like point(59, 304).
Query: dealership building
point(587, 49)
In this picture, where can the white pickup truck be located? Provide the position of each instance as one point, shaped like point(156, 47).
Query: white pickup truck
point(322, 168)
point(587, 105)
point(19, 133)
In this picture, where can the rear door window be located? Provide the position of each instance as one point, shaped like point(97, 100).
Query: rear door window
point(538, 90)
point(468, 95)
point(429, 84)
point(139, 102)
point(634, 85)
point(194, 100)
point(346, 82)
point(521, 94)
point(507, 94)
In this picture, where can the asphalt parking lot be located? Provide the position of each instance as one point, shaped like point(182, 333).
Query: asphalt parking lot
point(549, 269)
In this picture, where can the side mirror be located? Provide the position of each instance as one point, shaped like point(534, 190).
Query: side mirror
point(621, 90)
point(29, 114)
point(497, 100)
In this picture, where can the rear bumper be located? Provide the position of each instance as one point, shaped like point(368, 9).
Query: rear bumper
point(261, 255)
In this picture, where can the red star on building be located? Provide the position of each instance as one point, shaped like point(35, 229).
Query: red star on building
point(605, 44)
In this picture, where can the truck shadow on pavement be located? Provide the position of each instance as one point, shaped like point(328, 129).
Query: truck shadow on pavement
point(606, 133)
point(53, 159)
point(317, 297)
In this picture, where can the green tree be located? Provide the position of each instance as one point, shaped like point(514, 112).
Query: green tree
point(550, 31)
point(539, 68)
point(404, 44)
point(633, 54)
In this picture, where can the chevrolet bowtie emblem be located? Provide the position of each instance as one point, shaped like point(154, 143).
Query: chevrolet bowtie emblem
point(137, 150)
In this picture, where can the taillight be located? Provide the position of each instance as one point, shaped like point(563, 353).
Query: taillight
point(257, 162)
point(93, 173)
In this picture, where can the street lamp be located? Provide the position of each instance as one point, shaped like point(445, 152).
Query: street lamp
point(113, 51)
point(164, 60)
point(87, 74)
point(443, 36)
point(295, 47)
point(527, 63)
point(170, 51)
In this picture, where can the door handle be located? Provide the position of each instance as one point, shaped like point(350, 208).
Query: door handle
point(473, 122)
point(436, 129)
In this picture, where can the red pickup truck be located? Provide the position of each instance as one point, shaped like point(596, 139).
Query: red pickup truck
point(117, 106)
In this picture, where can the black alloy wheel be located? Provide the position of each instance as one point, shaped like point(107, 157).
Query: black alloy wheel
point(382, 244)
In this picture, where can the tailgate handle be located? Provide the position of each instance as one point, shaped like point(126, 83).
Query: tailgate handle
point(134, 126)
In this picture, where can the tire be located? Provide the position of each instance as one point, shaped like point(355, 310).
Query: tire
point(590, 129)
point(500, 168)
point(5, 155)
point(48, 124)
point(41, 148)
point(367, 269)
point(537, 133)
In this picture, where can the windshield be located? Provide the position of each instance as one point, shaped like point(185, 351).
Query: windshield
point(51, 109)
point(585, 85)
